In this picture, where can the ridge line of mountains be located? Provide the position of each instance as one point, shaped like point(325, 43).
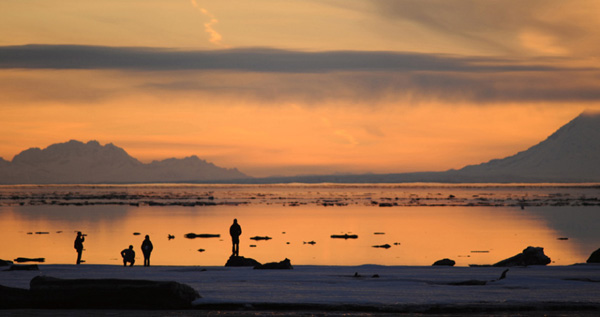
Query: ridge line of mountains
point(569, 155)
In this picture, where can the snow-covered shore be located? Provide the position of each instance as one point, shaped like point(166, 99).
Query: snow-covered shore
point(361, 288)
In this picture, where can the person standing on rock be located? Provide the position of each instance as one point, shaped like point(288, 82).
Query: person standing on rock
point(235, 231)
point(79, 246)
point(146, 250)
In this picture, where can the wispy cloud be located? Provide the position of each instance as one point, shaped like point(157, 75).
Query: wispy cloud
point(214, 36)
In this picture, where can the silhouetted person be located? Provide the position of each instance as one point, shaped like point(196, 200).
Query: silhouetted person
point(79, 245)
point(146, 250)
point(235, 231)
point(128, 256)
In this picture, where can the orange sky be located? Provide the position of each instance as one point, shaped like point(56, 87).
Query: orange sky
point(298, 87)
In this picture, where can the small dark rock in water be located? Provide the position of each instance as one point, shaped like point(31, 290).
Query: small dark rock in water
point(283, 265)
point(562, 238)
point(201, 250)
point(594, 257)
point(136, 233)
point(253, 245)
point(241, 261)
point(202, 235)
point(386, 204)
point(171, 237)
point(5, 262)
point(383, 246)
point(344, 236)
point(23, 267)
point(310, 242)
point(375, 276)
point(469, 283)
point(21, 260)
point(396, 243)
point(42, 232)
point(261, 238)
point(444, 262)
point(529, 256)
point(379, 233)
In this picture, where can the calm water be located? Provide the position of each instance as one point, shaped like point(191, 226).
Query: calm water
point(479, 224)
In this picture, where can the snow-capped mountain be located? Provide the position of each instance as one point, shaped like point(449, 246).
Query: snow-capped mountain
point(75, 162)
point(571, 154)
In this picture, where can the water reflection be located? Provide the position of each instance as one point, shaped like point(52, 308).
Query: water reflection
point(417, 235)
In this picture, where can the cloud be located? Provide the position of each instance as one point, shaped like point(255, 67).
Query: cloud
point(253, 60)
point(279, 76)
point(560, 27)
point(214, 36)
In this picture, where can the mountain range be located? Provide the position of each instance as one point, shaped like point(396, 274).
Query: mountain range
point(75, 162)
point(571, 154)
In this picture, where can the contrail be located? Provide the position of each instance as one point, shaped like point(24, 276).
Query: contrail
point(214, 36)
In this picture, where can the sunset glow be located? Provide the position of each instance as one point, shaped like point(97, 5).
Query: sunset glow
point(301, 87)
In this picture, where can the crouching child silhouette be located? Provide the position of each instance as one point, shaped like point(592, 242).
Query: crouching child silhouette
point(128, 256)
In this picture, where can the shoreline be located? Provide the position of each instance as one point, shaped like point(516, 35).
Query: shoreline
point(369, 289)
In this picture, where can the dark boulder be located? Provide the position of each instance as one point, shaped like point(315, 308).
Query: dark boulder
point(241, 261)
point(529, 256)
point(11, 297)
point(283, 265)
point(5, 262)
point(444, 262)
point(50, 292)
point(594, 257)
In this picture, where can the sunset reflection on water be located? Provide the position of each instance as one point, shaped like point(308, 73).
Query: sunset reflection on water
point(416, 235)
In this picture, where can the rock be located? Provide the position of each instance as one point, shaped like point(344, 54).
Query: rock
point(11, 297)
point(50, 292)
point(594, 257)
point(529, 256)
point(241, 261)
point(23, 267)
point(444, 262)
point(261, 238)
point(21, 260)
point(344, 236)
point(383, 246)
point(202, 235)
point(283, 265)
point(5, 262)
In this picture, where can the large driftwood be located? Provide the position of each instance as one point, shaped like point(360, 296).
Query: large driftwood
point(49, 292)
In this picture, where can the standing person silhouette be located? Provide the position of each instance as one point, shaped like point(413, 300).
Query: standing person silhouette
point(235, 231)
point(79, 246)
point(146, 250)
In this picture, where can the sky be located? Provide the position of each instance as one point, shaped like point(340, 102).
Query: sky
point(295, 87)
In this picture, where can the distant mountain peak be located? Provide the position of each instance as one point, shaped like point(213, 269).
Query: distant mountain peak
point(572, 153)
point(78, 162)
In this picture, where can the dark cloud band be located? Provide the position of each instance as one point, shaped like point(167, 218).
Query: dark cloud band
point(254, 60)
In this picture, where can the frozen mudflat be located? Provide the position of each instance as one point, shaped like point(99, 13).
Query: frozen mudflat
point(366, 288)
